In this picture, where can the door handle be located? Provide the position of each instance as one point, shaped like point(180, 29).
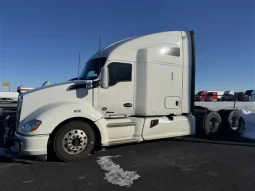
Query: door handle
point(127, 105)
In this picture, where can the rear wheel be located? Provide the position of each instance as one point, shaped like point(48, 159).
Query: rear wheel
point(212, 123)
point(231, 120)
point(75, 140)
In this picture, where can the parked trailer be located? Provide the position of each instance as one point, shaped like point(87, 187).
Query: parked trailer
point(123, 96)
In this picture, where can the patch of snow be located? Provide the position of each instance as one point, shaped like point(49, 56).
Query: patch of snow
point(115, 174)
point(249, 118)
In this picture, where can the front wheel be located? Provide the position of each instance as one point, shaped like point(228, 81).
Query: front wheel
point(75, 140)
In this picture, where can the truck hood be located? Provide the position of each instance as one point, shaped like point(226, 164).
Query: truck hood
point(44, 98)
point(55, 85)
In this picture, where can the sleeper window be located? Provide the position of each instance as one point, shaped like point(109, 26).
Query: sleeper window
point(119, 72)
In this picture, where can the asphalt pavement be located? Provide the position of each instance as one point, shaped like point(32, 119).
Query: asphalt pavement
point(221, 163)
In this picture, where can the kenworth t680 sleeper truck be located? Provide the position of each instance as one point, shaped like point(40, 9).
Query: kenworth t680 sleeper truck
point(137, 89)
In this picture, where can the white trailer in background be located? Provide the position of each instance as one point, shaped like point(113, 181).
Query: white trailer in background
point(9, 96)
point(22, 89)
point(137, 89)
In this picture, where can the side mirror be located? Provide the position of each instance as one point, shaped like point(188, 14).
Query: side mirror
point(104, 78)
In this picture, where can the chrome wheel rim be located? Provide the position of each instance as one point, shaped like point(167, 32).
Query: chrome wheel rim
point(74, 141)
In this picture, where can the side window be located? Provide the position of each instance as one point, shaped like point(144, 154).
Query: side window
point(174, 51)
point(91, 74)
point(119, 72)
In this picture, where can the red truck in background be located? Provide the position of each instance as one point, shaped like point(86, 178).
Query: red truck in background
point(201, 95)
point(214, 96)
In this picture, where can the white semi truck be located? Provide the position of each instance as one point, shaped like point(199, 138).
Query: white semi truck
point(134, 90)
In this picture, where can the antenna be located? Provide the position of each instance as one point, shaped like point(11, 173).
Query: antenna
point(99, 51)
point(79, 65)
point(99, 46)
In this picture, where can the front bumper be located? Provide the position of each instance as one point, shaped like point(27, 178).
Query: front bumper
point(25, 145)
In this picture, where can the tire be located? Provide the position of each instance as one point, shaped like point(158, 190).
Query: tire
point(231, 120)
point(211, 124)
point(75, 140)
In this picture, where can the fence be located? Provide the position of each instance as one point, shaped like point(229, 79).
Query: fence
point(223, 101)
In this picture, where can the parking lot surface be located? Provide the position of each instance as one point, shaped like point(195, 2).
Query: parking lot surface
point(222, 163)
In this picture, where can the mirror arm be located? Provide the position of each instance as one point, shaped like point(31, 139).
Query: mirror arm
point(104, 78)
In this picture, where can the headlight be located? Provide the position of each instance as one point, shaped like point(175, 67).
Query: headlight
point(30, 126)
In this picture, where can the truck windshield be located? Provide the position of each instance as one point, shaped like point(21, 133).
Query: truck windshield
point(210, 94)
point(199, 93)
point(92, 69)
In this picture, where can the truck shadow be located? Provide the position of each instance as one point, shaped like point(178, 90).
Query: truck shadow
point(219, 139)
point(9, 159)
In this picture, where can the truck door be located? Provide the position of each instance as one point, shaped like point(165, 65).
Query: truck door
point(118, 99)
